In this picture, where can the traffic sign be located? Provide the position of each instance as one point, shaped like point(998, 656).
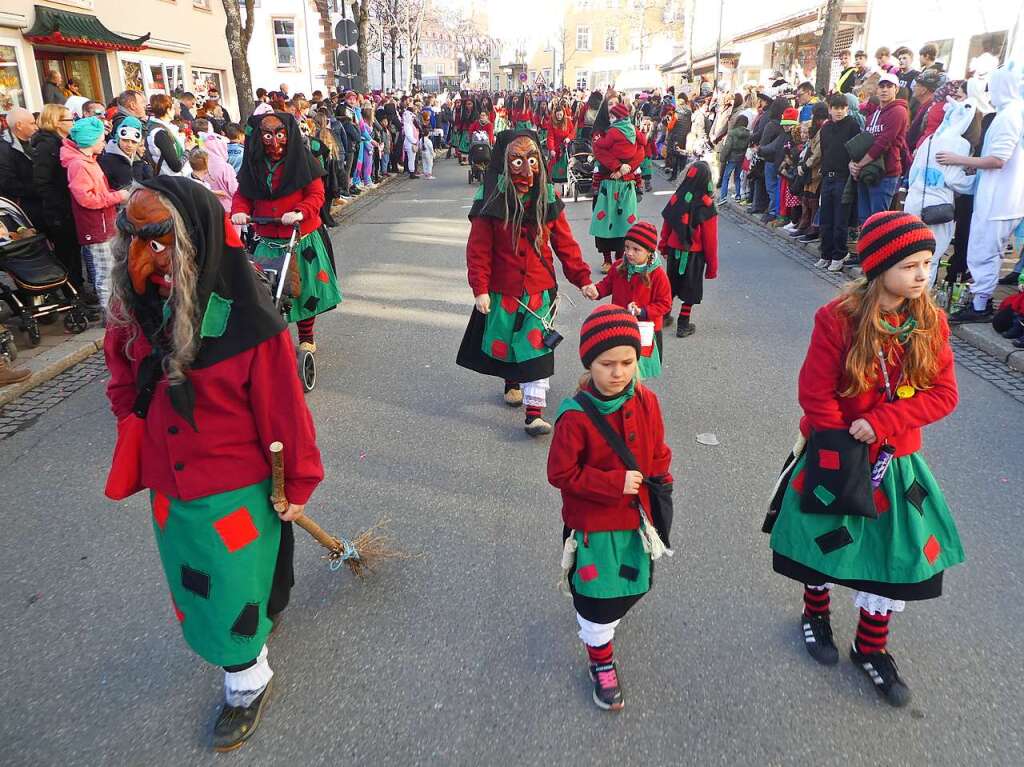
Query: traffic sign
point(522, 77)
point(345, 32)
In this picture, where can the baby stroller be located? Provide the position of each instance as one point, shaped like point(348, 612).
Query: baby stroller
point(272, 274)
point(479, 156)
point(41, 286)
point(579, 169)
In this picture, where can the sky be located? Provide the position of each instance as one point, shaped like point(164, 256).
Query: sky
point(512, 21)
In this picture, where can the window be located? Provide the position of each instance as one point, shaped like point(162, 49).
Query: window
point(546, 74)
point(611, 39)
point(440, 69)
point(582, 38)
point(202, 80)
point(582, 79)
point(284, 43)
point(12, 85)
point(201, 4)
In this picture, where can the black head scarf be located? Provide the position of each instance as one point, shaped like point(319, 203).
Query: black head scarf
point(301, 168)
point(225, 281)
point(692, 204)
point(496, 190)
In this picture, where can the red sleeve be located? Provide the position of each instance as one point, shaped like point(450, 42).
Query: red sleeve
point(661, 295)
point(567, 469)
point(312, 199)
point(479, 255)
point(932, 121)
point(551, 139)
point(639, 154)
point(820, 377)
point(613, 149)
point(662, 452)
point(121, 387)
point(279, 409)
point(666, 231)
point(605, 287)
point(240, 204)
point(568, 251)
point(926, 406)
point(889, 133)
point(709, 242)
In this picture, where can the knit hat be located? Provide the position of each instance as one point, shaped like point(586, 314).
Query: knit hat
point(887, 237)
point(130, 128)
point(643, 234)
point(790, 116)
point(86, 132)
point(605, 328)
point(619, 111)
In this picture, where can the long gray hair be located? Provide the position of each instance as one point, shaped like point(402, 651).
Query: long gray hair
point(515, 211)
point(184, 335)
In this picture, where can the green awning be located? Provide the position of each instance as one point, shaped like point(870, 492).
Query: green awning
point(78, 30)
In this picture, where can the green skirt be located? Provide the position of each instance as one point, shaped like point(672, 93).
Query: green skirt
point(560, 169)
point(615, 209)
point(319, 285)
point(646, 167)
point(463, 141)
point(219, 555)
point(611, 564)
point(912, 540)
point(511, 333)
point(650, 367)
point(524, 125)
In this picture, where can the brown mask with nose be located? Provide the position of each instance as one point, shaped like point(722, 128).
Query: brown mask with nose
point(152, 248)
point(274, 135)
point(523, 163)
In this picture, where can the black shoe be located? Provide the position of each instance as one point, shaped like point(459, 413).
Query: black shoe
point(684, 330)
point(880, 668)
point(818, 639)
point(811, 236)
point(969, 314)
point(607, 692)
point(797, 233)
point(1019, 343)
point(672, 178)
point(1011, 279)
point(1016, 331)
point(667, 320)
point(236, 724)
point(414, 175)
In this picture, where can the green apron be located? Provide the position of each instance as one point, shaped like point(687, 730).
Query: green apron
point(614, 209)
point(560, 170)
point(611, 564)
point(319, 285)
point(219, 553)
point(650, 367)
point(464, 141)
point(646, 167)
point(505, 342)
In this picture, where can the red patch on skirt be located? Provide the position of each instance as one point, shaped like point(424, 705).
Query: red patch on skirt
point(323, 276)
point(161, 509)
point(631, 220)
point(881, 501)
point(932, 549)
point(535, 301)
point(177, 613)
point(798, 482)
point(499, 349)
point(536, 338)
point(691, 172)
point(828, 459)
point(587, 573)
point(686, 218)
point(236, 529)
point(509, 304)
point(600, 215)
point(673, 199)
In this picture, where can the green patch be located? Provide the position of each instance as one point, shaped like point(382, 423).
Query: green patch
point(551, 193)
point(823, 495)
point(248, 130)
point(502, 183)
point(215, 318)
point(479, 194)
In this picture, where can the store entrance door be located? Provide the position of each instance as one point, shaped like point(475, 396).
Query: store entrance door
point(80, 68)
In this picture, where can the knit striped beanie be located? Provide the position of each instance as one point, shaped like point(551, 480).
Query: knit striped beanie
point(607, 327)
point(887, 237)
point(619, 111)
point(643, 234)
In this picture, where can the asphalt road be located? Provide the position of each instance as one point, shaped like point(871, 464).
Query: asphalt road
point(467, 655)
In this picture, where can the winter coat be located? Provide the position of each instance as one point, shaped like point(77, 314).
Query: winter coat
point(812, 164)
point(16, 182)
point(675, 140)
point(93, 202)
point(735, 145)
point(308, 201)
point(930, 182)
point(654, 299)
point(705, 240)
point(119, 170)
point(163, 147)
point(772, 135)
point(51, 181)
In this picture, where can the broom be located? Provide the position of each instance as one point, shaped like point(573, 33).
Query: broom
point(362, 554)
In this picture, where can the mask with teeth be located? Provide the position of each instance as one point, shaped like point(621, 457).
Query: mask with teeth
point(151, 250)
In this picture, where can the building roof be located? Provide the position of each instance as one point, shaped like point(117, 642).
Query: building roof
point(78, 30)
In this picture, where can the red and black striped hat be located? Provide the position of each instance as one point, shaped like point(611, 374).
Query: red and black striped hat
point(887, 237)
point(607, 327)
point(619, 111)
point(643, 234)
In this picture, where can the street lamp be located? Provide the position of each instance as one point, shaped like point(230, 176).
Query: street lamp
point(401, 65)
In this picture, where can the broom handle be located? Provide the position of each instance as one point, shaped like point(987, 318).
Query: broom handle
point(280, 502)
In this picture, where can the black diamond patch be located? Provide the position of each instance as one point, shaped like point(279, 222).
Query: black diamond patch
point(916, 495)
point(604, 191)
point(196, 582)
point(629, 573)
point(311, 303)
point(309, 254)
point(619, 211)
point(834, 540)
point(247, 621)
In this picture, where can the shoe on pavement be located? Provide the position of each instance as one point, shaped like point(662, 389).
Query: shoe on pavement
point(236, 724)
point(9, 375)
point(821, 263)
point(880, 668)
point(1010, 279)
point(1019, 343)
point(607, 692)
point(850, 259)
point(790, 227)
point(1016, 331)
point(811, 236)
point(969, 314)
point(767, 218)
point(537, 427)
point(837, 266)
point(308, 346)
point(818, 639)
point(514, 397)
point(682, 331)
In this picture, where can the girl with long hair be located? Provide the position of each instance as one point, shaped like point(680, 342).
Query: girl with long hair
point(857, 505)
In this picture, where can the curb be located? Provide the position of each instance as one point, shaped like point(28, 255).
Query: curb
point(53, 368)
point(979, 335)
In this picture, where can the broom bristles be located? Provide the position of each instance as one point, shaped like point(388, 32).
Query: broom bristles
point(373, 547)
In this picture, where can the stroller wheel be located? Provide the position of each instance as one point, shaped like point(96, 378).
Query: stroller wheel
point(31, 328)
point(307, 370)
point(75, 321)
point(470, 174)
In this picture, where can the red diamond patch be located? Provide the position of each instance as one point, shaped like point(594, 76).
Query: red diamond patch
point(535, 301)
point(798, 482)
point(509, 303)
point(631, 219)
point(536, 338)
point(237, 529)
point(932, 549)
point(499, 349)
point(828, 459)
point(881, 501)
point(587, 573)
point(323, 276)
point(600, 215)
point(161, 509)
point(177, 613)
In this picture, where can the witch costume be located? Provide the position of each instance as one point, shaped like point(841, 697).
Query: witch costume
point(615, 201)
point(200, 447)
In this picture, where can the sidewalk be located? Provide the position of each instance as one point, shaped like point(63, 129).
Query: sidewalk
point(981, 335)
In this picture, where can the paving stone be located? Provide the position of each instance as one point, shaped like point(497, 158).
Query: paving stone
point(24, 411)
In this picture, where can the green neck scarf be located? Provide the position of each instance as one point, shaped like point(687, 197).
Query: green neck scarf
point(627, 128)
point(604, 406)
point(271, 167)
point(653, 263)
point(903, 332)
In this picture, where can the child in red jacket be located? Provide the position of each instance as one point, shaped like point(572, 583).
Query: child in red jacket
point(879, 367)
point(689, 240)
point(639, 283)
point(609, 535)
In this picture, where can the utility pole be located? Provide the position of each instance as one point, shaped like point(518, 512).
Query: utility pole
point(823, 65)
point(718, 45)
point(691, 12)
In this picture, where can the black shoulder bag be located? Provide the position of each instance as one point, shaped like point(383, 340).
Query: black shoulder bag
point(934, 214)
point(660, 492)
point(837, 475)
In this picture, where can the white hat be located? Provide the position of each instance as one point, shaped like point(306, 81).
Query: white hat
point(889, 77)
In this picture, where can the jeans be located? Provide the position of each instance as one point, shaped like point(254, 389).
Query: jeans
point(872, 199)
point(731, 169)
point(834, 218)
point(771, 183)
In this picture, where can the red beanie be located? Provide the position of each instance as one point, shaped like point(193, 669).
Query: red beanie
point(619, 111)
point(643, 234)
point(887, 237)
point(607, 327)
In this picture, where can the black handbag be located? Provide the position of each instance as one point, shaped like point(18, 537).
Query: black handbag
point(934, 214)
point(659, 491)
point(837, 476)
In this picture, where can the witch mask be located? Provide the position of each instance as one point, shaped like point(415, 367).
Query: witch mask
point(274, 135)
point(523, 163)
point(151, 250)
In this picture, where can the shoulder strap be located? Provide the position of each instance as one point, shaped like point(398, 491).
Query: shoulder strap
point(615, 442)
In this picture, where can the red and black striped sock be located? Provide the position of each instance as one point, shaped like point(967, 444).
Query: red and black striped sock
point(306, 329)
point(532, 411)
point(600, 656)
point(685, 310)
point(816, 602)
point(607, 257)
point(872, 632)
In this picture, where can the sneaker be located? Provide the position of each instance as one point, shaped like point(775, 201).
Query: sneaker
point(537, 427)
point(811, 236)
point(969, 314)
point(837, 266)
point(794, 233)
point(821, 263)
point(682, 331)
point(880, 668)
point(607, 693)
point(236, 724)
point(818, 639)
point(851, 259)
point(790, 227)
point(308, 346)
point(514, 397)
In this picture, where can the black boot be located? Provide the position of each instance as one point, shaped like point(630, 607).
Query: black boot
point(880, 668)
point(1010, 279)
point(818, 639)
point(685, 328)
point(236, 724)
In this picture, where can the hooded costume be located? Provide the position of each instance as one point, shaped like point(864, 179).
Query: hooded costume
point(467, 114)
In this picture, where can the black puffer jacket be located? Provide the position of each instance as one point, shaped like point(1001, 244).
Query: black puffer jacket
point(51, 180)
point(772, 136)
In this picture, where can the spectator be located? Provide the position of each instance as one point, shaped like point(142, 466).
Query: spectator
point(166, 150)
point(863, 70)
point(411, 133)
point(261, 96)
point(805, 100)
point(131, 103)
point(212, 94)
point(955, 90)
point(93, 202)
point(927, 55)
point(214, 112)
point(220, 176)
point(53, 93)
point(922, 101)
point(810, 173)
point(51, 184)
point(887, 121)
point(847, 75)
point(770, 150)
point(676, 132)
point(236, 145)
point(122, 162)
point(905, 57)
point(16, 165)
point(731, 156)
point(188, 104)
point(883, 58)
point(835, 170)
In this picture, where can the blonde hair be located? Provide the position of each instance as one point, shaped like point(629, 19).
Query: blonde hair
point(50, 117)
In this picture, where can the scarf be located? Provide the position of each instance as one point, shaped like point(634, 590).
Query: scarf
point(626, 128)
point(653, 263)
point(605, 405)
point(489, 200)
point(692, 204)
point(903, 331)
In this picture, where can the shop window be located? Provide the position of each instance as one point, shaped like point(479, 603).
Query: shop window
point(582, 79)
point(12, 84)
point(132, 74)
point(285, 44)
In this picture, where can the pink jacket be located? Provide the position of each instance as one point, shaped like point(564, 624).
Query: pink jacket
point(221, 176)
point(93, 202)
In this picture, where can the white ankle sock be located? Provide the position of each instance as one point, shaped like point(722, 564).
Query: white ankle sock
point(241, 688)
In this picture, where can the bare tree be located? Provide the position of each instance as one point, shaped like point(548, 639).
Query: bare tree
point(361, 14)
point(833, 13)
point(238, 36)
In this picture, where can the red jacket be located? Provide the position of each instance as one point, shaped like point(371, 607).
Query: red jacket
point(242, 405)
point(496, 264)
point(898, 423)
point(306, 201)
point(612, 149)
point(705, 240)
point(488, 129)
point(654, 300)
point(889, 126)
point(590, 475)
